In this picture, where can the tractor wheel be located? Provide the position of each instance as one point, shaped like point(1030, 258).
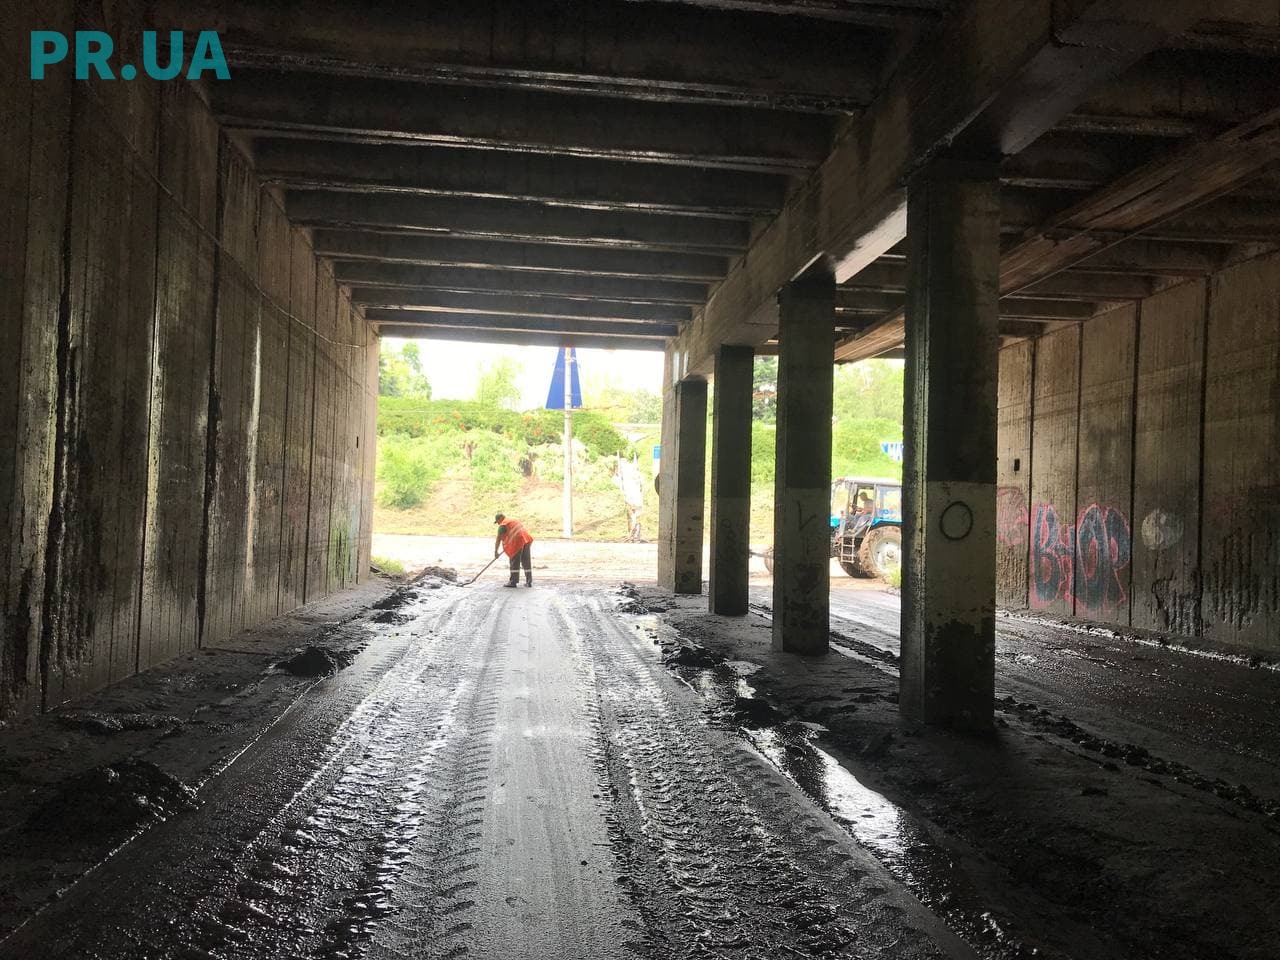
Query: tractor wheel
point(880, 553)
point(768, 560)
point(852, 569)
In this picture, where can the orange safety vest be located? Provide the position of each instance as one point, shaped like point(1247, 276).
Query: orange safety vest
point(516, 538)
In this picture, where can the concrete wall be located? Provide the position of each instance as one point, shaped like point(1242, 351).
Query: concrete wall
point(1125, 521)
point(185, 408)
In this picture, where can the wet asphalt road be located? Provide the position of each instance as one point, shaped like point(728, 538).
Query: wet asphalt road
point(500, 774)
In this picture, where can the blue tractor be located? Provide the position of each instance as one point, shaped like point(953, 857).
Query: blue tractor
point(866, 527)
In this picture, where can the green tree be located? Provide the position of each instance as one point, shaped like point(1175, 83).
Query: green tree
point(400, 373)
point(764, 389)
point(645, 407)
point(619, 404)
point(871, 389)
point(497, 384)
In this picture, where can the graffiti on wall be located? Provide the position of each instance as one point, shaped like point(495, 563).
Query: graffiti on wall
point(1052, 546)
point(1084, 563)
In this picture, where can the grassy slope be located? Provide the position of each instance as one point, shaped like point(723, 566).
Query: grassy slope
point(460, 505)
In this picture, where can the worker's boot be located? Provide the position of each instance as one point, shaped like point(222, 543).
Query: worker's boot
point(514, 581)
point(528, 578)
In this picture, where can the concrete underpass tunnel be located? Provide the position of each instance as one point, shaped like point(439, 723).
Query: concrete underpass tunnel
point(196, 272)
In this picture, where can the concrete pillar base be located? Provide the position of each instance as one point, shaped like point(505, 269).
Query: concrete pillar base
point(682, 493)
point(948, 584)
point(802, 485)
point(731, 481)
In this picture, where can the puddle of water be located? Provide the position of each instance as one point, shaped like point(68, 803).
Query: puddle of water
point(875, 822)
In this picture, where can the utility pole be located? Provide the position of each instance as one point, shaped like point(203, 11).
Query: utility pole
point(566, 509)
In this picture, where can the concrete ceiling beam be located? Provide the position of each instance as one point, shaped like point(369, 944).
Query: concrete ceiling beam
point(464, 279)
point(516, 305)
point(891, 277)
point(602, 47)
point(1031, 308)
point(1157, 258)
point(497, 321)
point(318, 106)
point(432, 251)
point(887, 13)
point(1254, 40)
point(517, 338)
point(1090, 287)
point(512, 220)
point(1212, 93)
point(1022, 328)
point(1127, 125)
point(1229, 220)
point(1075, 162)
point(498, 174)
point(878, 304)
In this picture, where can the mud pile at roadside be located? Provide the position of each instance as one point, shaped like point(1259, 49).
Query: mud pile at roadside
point(440, 573)
point(111, 798)
point(316, 661)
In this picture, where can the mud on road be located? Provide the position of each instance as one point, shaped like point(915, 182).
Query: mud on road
point(496, 774)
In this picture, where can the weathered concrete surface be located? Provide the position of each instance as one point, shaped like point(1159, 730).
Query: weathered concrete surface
point(1166, 496)
point(688, 496)
point(1105, 472)
point(1240, 527)
point(950, 425)
point(1130, 522)
point(157, 353)
point(182, 331)
point(1056, 402)
point(802, 477)
point(731, 480)
point(1013, 472)
point(36, 119)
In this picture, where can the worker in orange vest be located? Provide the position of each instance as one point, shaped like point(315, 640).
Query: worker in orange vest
point(515, 539)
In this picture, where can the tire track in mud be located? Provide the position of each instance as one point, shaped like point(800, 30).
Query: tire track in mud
point(328, 876)
point(433, 901)
point(299, 845)
point(718, 852)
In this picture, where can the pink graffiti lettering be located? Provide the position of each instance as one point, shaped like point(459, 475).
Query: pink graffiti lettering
point(1051, 550)
point(1103, 550)
point(1082, 563)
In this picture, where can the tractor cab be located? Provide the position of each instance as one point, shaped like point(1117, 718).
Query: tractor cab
point(866, 526)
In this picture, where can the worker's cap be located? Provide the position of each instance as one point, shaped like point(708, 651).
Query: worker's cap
point(499, 517)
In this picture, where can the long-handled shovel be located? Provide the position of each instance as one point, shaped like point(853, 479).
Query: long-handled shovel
point(478, 575)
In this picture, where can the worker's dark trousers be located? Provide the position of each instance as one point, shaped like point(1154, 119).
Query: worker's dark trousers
point(522, 559)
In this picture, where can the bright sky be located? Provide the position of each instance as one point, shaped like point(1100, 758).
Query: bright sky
point(452, 368)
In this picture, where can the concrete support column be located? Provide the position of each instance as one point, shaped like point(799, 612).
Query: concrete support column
point(731, 480)
point(949, 474)
point(802, 484)
point(682, 482)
